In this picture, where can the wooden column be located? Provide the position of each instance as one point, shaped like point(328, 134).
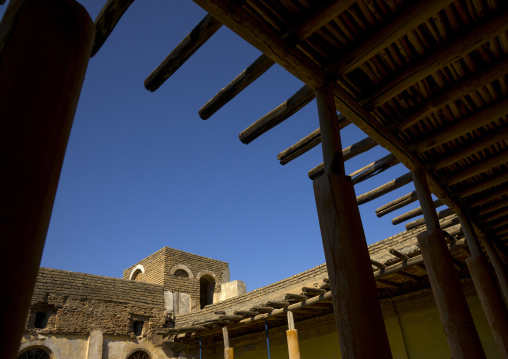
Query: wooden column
point(502, 277)
point(292, 335)
point(228, 351)
point(492, 302)
point(44, 52)
point(360, 324)
point(451, 303)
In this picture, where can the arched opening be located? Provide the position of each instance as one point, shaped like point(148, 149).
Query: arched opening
point(34, 353)
point(206, 290)
point(137, 275)
point(139, 354)
point(181, 273)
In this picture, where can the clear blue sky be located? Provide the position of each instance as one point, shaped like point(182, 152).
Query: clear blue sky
point(143, 171)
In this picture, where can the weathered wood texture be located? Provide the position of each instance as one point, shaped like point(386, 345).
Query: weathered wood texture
point(373, 168)
point(277, 115)
point(347, 153)
point(307, 143)
point(357, 313)
point(420, 222)
point(106, 21)
point(248, 76)
point(396, 204)
point(333, 160)
point(501, 274)
point(384, 189)
point(44, 48)
point(491, 300)
point(456, 318)
point(414, 213)
point(185, 49)
point(293, 345)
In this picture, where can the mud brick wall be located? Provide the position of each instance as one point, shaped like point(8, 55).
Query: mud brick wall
point(275, 291)
point(78, 303)
point(158, 266)
point(155, 268)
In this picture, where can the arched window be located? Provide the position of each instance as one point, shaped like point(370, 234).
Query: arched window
point(34, 353)
point(137, 273)
point(139, 354)
point(206, 290)
point(181, 273)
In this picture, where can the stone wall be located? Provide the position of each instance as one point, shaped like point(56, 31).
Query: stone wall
point(76, 303)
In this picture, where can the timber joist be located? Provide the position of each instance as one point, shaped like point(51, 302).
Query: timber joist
point(316, 301)
point(426, 80)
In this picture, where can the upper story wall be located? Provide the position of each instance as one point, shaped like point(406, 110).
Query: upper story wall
point(76, 303)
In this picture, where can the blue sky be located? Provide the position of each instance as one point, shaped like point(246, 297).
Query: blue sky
point(143, 171)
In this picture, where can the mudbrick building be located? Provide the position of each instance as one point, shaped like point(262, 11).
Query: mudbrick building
point(174, 304)
point(427, 80)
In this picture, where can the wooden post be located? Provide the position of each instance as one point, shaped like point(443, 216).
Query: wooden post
point(354, 293)
point(451, 303)
point(44, 52)
point(292, 335)
point(228, 351)
point(492, 303)
point(502, 277)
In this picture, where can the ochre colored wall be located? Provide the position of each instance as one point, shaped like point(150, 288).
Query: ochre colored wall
point(414, 331)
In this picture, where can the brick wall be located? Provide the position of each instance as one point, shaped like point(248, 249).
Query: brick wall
point(78, 303)
point(158, 266)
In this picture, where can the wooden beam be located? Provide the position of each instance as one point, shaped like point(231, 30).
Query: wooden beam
point(481, 34)
point(290, 297)
point(494, 195)
point(396, 204)
point(463, 126)
point(420, 222)
point(377, 264)
point(483, 185)
point(490, 298)
point(456, 318)
point(384, 189)
point(373, 169)
point(470, 148)
point(501, 204)
point(262, 309)
point(277, 115)
point(414, 213)
point(106, 21)
point(232, 14)
point(347, 153)
point(480, 166)
point(303, 29)
point(497, 214)
point(398, 254)
point(278, 304)
point(307, 143)
point(399, 27)
point(185, 49)
point(333, 159)
point(269, 42)
point(319, 17)
point(465, 86)
point(245, 312)
point(311, 291)
point(408, 263)
point(248, 76)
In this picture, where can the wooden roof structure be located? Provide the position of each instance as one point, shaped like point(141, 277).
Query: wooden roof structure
point(424, 79)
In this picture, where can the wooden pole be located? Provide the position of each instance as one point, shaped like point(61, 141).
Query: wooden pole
point(292, 335)
point(44, 51)
point(228, 351)
point(354, 294)
point(451, 303)
point(492, 303)
point(502, 277)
